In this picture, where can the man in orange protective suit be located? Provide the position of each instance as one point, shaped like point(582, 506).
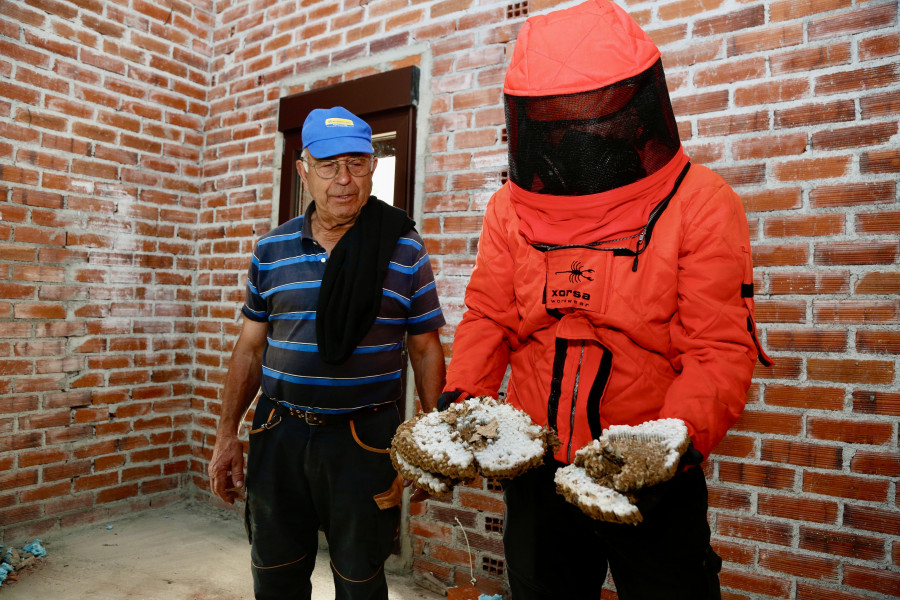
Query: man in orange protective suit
point(615, 280)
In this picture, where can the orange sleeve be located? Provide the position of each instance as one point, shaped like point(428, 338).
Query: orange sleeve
point(714, 350)
point(487, 332)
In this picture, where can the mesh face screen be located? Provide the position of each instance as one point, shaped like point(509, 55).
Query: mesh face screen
point(592, 142)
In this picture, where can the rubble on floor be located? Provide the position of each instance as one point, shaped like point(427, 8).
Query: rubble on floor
point(15, 560)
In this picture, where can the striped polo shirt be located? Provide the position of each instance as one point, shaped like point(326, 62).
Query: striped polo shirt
point(283, 289)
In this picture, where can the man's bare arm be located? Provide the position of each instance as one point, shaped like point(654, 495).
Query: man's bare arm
point(226, 467)
point(427, 358)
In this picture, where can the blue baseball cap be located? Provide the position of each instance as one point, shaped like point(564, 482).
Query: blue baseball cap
point(333, 131)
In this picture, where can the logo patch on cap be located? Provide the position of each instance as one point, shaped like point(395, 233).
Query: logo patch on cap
point(338, 122)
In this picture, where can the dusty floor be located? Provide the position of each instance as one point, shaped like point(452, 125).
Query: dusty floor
point(181, 552)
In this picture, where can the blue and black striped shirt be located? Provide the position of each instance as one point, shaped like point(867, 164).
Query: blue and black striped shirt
point(283, 289)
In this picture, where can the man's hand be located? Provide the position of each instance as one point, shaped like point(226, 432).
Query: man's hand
point(226, 469)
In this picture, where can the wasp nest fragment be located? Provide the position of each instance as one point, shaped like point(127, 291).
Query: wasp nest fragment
point(595, 500)
point(504, 440)
point(482, 435)
point(430, 482)
point(609, 472)
point(432, 443)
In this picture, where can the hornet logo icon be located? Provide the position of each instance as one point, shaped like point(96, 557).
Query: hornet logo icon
point(577, 272)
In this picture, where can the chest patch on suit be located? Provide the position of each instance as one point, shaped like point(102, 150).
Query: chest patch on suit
point(576, 278)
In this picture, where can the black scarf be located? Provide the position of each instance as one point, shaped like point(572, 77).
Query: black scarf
point(350, 296)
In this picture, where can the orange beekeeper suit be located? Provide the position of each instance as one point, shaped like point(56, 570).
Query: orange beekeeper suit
point(613, 277)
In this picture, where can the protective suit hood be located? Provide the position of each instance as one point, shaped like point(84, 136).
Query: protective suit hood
point(587, 47)
point(593, 143)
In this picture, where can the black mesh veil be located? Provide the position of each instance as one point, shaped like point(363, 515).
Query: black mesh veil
point(594, 141)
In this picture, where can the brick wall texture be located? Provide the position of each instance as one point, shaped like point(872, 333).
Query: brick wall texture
point(138, 159)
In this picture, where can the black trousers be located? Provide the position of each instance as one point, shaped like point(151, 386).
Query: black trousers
point(553, 550)
point(338, 477)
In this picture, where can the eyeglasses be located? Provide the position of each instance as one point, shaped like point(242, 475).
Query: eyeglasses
point(358, 167)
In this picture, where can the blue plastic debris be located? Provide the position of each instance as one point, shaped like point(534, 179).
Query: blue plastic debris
point(35, 548)
point(4, 569)
point(109, 526)
point(494, 597)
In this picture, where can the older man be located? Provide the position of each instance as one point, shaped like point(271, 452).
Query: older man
point(331, 296)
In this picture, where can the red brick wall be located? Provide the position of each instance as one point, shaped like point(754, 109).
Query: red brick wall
point(153, 199)
point(102, 110)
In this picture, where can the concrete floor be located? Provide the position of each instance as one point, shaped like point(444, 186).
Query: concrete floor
point(181, 552)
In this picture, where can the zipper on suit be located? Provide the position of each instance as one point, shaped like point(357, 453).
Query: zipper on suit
point(574, 400)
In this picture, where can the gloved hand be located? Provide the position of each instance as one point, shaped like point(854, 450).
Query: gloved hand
point(651, 498)
point(448, 398)
point(690, 458)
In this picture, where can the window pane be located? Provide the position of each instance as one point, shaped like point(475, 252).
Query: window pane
point(385, 145)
